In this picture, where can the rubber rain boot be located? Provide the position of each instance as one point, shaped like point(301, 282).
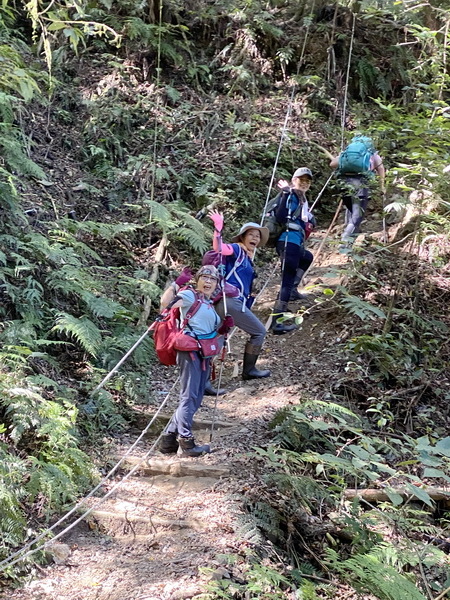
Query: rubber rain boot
point(249, 371)
point(190, 448)
point(168, 443)
point(281, 328)
point(212, 391)
point(295, 294)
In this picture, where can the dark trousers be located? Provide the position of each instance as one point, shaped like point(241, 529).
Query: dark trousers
point(193, 377)
point(295, 257)
point(356, 199)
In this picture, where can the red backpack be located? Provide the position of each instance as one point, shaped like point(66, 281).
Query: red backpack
point(165, 329)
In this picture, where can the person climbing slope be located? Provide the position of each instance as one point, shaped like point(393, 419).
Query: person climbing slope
point(194, 367)
point(239, 272)
point(293, 211)
point(356, 166)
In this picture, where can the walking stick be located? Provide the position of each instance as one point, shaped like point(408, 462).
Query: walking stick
point(224, 297)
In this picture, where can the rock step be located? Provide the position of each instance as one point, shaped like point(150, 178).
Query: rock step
point(119, 524)
point(143, 506)
point(174, 466)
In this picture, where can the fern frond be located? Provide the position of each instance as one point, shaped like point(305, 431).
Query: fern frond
point(101, 306)
point(368, 574)
point(85, 332)
point(362, 309)
point(196, 242)
point(159, 214)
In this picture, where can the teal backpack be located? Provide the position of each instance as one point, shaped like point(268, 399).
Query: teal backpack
point(355, 159)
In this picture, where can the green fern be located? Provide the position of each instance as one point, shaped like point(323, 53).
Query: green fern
point(175, 221)
point(368, 574)
point(85, 332)
point(100, 306)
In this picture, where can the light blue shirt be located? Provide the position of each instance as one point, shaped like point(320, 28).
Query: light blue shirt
point(205, 321)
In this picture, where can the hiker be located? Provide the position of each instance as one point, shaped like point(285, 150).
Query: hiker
point(292, 209)
point(194, 369)
point(356, 166)
point(169, 294)
point(240, 273)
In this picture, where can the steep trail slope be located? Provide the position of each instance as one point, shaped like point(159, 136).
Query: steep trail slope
point(150, 539)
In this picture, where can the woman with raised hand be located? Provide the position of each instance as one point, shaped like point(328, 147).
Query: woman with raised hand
point(239, 272)
point(292, 210)
point(194, 368)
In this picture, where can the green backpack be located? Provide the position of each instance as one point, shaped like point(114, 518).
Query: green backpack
point(355, 159)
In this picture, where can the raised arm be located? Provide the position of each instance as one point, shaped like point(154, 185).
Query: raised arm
point(225, 249)
point(334, 162)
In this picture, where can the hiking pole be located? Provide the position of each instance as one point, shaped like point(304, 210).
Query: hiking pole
point(213, 421)
point(385, 237)
point(224, 298)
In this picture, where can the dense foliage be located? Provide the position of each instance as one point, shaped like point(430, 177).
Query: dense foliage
point(146, 114)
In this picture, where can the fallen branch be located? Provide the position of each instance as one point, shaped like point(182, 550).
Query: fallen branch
point(159, 255)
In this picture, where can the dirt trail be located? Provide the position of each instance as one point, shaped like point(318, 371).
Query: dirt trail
point(176, 515)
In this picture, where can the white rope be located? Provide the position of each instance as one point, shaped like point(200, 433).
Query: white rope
point(121, 361)
point(286, 120)
point(26, 550)
point(344, 108)
point(321, 192)
point(283, 133)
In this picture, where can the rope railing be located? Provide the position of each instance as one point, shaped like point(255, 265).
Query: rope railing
point(27, 550)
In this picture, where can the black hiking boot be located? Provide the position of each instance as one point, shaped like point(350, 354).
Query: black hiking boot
point(282, 327)
point(212, 391)
point(249, 371)
point(168, 443)
point(295, 294)
point(189, 447)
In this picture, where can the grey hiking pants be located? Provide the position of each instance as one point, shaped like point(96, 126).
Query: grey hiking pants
point(355, 200)
point(194, 373)
point(246, 320)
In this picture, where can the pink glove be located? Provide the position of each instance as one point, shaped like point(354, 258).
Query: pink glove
point(217, 219)
point(226, 325)
point(185, 276)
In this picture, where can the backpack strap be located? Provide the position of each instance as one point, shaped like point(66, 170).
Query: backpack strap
point(192, 309)
point(298, 211)
point(237, 263)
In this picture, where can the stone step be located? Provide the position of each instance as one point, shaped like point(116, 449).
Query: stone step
point(117, 523)
point(143, 506)
point(176, 467)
